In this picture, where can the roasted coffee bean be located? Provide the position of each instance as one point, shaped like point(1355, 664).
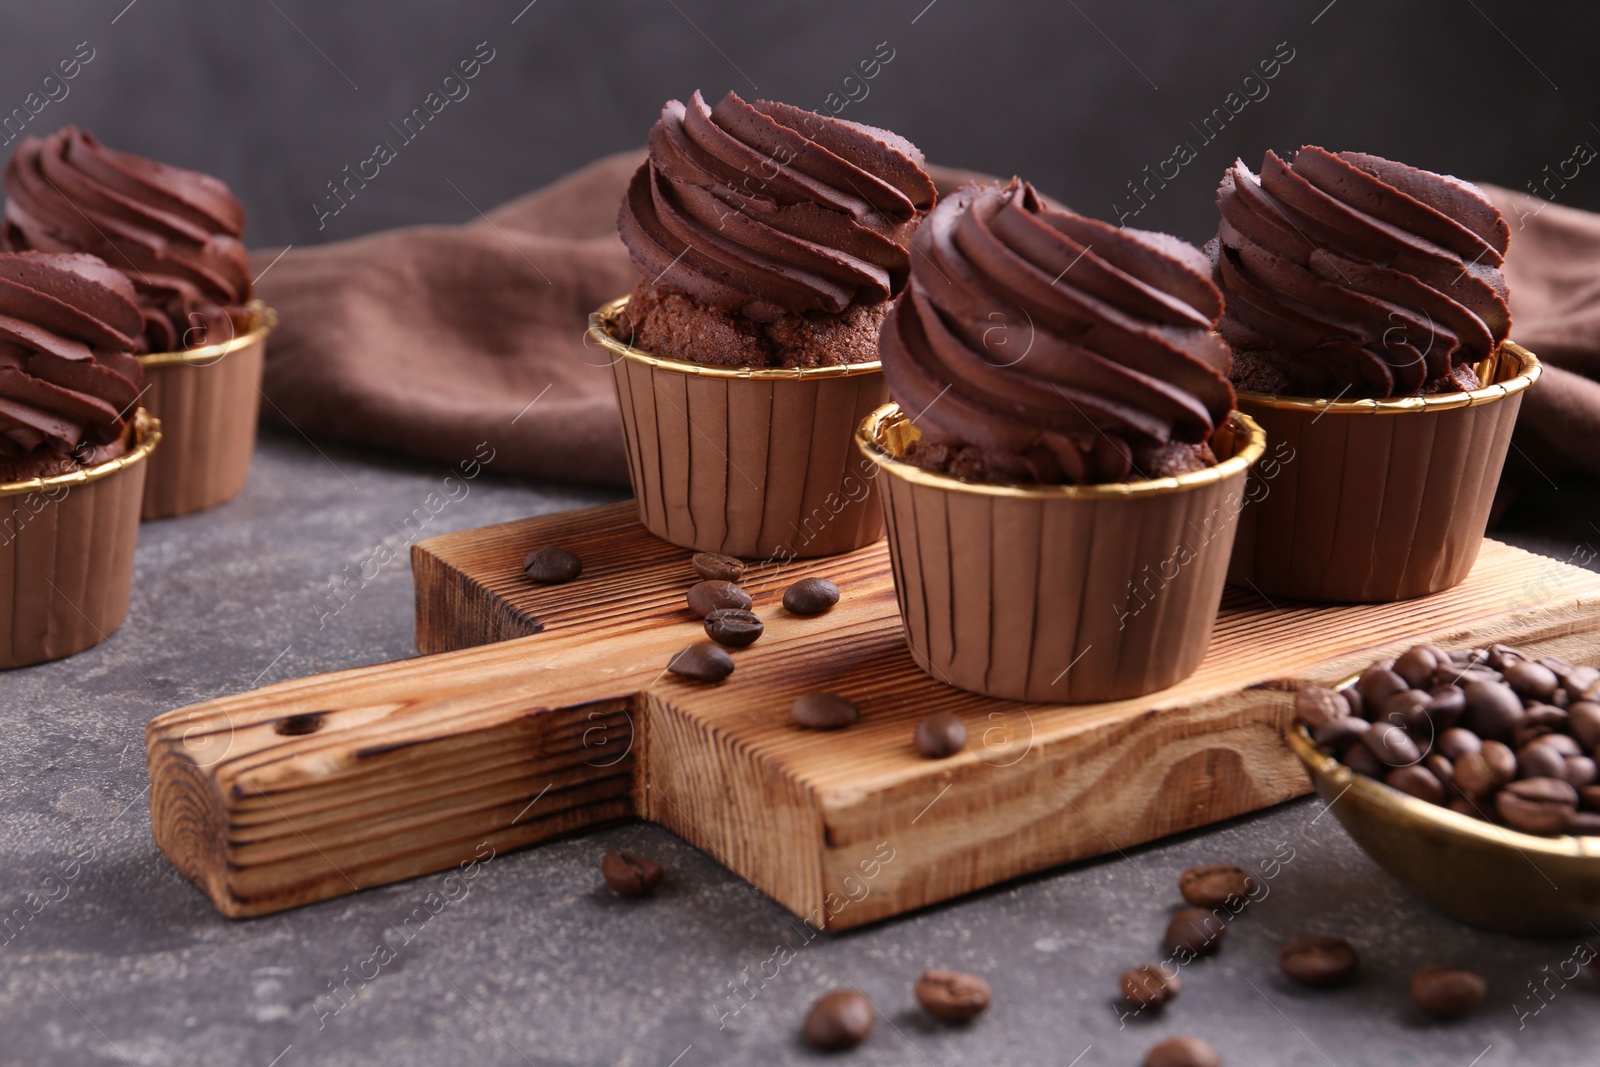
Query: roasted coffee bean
point(1540, 720)
point(1405, 710)
point(1583, 683)
point(1581, 771)
point(715, 595)
point(1339, 734)
point(1492, 710)
point(1183, 1052)
point(1418, 781)
point(1194, 931)
point(1416, 666)
point(1537, 805)
point(1583, 719)
point(1503, 657)
point(1477, 674)
point(1352, 696)
point(1562, 743)
point(952, 995)
point(1584, 824)
point(1589, 797)
point(1442, 769)
point(823, 711)
point(1557, 666)
point(1215, 884)
point(1378, 684)
point(704, 662)
point(1316, 706)
point(1359, 758)
point(810, 596)
point(1446, 992)
point(1445, 707)
point(1530, 681)
point(1318, 961)
point(1392, 745)
point(940, 734)
point(839, 1020)
point(1456, 742)
point(1151, 985)
point(1475, 776)
point(733, 627)
point(551, 565)
point(1541, 761)
point(715, 567)
point(630, 875)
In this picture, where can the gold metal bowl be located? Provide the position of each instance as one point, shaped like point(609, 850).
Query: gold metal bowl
point(1483, 874)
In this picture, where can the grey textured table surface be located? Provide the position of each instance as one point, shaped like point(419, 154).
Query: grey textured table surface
point(107, 956)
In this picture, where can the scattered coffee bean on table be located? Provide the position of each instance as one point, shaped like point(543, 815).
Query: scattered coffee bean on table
point(810, 596)
point(952, 995)
point(940, 734)
point(1214, 884)
point(734, 627)
point(551, 565)
point(1319, 961)
point(630, 875)
point(1183, 1052)
point(823, 711)
point(708, 596)
point(717, 567)
point(1491, 733)
point(841, 1019)
point(704, 662)
point(1149, 985)
point(1446, 992)
point(1195, 931)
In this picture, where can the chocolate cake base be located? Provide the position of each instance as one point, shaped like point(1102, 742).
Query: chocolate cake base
point(670, 324)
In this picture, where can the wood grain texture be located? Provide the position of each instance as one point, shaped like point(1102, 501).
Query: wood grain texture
point(415, 766)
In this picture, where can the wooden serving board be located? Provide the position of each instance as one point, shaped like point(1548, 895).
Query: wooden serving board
point(547, 709)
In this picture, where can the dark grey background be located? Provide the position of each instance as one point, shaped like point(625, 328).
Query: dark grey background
point(277, 96)
point(540, 965)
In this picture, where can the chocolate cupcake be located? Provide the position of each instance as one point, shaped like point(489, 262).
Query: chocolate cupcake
point(770, 240)
point(72, 442)
point(176, 235)
point(1368, 318)
point(1065, 465)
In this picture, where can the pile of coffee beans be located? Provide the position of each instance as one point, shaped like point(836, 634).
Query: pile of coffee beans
point(726, 607)
point(1488, 732)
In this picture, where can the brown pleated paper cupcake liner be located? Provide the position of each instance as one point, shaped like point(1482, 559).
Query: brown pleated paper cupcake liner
point(750, 462)
point(66, 554)
point(1059, 594)
point(208, 400)
point(1376, 500)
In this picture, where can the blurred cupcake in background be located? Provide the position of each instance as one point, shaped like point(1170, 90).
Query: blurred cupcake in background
point(1064, 465)
point(72, 448)
point(769, 240)
point(1368, 318)
point(176, 235)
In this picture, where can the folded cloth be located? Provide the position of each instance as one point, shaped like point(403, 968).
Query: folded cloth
point(430, 340)
point(1552, 270)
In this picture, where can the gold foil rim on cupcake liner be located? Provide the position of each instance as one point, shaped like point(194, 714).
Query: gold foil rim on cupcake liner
point(1524, 372)
point(886, 434)
point(259, 321)
point(602, 322)
point(147, 434)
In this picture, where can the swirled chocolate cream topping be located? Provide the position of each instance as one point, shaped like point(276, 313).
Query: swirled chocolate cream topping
point(69, 383)
point(1036, 345)
point(768, 235)
point(175, 233)
point(1347, 275)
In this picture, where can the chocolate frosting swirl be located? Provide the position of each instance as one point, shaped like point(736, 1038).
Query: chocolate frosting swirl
point(765, 209)
point(1058, 345)
point(175, 233)
point(1358, 276)
point(68, 378)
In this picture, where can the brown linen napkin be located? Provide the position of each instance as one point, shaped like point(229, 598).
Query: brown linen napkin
point(431, 339)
